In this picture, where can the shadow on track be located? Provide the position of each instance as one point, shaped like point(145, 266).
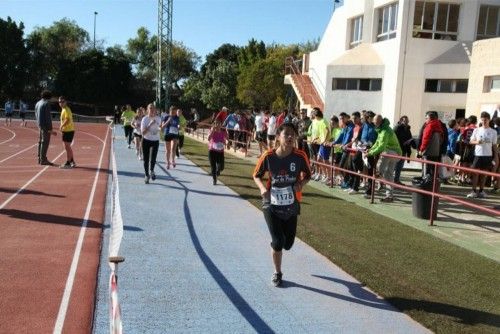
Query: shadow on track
point(232, 294)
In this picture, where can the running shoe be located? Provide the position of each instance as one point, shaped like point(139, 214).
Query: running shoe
point(352, 192)
point(73, 163)
point(387, 199)
point(153, 176)
point(67, 165)
point(481, 194)
point(46, 163)
point(146, 179)
point(277, 279)
point(324, 179)
point(317, 177)
point(367, 196)
point(472, 194)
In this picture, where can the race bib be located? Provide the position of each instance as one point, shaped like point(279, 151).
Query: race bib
point(218, 146)
point(282, 196)
point(173, 130)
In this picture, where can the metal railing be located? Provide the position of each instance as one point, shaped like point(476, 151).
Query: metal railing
point(435, 183)
point(203, 129)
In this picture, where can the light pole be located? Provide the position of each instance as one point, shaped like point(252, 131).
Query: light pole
point(95, 15)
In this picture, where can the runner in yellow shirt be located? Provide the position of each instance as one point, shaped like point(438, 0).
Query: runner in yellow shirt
point(127, 117)
point(67, 128)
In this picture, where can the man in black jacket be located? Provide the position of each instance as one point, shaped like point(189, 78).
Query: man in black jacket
point(44, 122)
point(403, 132)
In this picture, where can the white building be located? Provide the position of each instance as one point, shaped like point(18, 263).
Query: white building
point(399, 57)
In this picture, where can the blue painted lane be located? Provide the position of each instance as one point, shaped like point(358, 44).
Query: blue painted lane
point(198, 261)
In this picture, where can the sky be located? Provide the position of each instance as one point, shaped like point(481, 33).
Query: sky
point(202, 25)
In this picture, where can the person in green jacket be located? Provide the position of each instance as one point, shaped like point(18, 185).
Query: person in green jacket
point(387, 142)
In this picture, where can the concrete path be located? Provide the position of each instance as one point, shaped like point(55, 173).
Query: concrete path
point(198, 261)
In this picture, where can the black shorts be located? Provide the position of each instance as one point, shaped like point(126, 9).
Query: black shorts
point(67, 136)
point(271, 137)
point(260, 136)
point(22, 115)
point(282, 231)
point(230, 134)
point(137, 135)
point(8, 114)
point(483, 163)
point(170, 137)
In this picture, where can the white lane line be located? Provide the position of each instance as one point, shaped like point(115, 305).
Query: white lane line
point(61, 316)
point(8, 200)
point(12, 156)
point(8, 140)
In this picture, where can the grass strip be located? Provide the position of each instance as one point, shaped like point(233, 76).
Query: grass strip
point(444, 287)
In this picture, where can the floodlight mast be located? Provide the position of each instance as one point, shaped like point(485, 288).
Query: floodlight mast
point(164, 54)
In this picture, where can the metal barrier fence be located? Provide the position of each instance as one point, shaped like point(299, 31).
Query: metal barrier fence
point(204, 128)
point(434, 193)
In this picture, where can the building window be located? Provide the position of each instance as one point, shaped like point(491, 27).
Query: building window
point(356, 31)
point(491, 84)
point(488, 25)
point(434, 20)
point(446, 85)
point(387, 22)
point(357, 84)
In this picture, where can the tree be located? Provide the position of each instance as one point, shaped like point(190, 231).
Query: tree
point(226, 51)
point(13, 59)
point(142, 51)
point(219, 85)
point(50, 46)
point(261, 83)
point(251, 53)
point(94, 77)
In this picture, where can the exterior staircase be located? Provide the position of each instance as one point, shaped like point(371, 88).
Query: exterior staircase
point(302, 85)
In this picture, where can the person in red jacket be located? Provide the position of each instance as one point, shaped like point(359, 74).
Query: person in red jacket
point(430, 141)
point(221, 116)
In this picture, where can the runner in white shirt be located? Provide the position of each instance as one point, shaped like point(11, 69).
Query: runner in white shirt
point(485, 139)
point(271, 131)
point(260, 131)
point(150, 128)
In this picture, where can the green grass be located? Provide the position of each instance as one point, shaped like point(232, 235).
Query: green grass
point(444, 287)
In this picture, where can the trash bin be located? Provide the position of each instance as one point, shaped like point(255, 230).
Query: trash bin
point(421, 203)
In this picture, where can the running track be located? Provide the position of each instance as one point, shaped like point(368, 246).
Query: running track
point(50, 230)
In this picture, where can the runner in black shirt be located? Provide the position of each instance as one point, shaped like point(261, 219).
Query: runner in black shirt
point(288, 170)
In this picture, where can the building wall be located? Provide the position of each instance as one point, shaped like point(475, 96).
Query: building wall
point(407, 62)
point(485, 62)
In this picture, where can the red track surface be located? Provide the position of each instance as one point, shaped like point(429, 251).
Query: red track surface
point(40, 227)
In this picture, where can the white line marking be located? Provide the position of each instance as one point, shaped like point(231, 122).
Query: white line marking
point(8, 200)
point(12, 156)
point(8, 140)
point(61, 316)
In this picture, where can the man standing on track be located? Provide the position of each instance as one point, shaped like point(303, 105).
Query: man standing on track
point(9, 110)
point(44, 122)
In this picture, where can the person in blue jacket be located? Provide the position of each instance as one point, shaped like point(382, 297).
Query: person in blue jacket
point(344, 141)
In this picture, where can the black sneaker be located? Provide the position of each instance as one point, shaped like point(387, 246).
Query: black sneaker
point(146, 179)
point(153, 176)
point(67, 165)
point(277, 279)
